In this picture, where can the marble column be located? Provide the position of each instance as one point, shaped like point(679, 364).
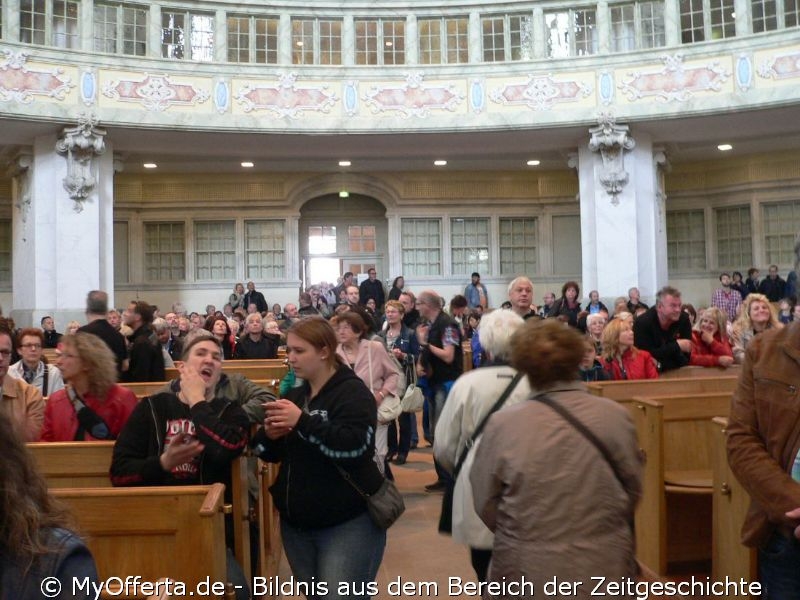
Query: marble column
point(62, 225)
point(623, 230)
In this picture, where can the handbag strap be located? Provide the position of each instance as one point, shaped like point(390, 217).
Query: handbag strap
point(479, 429)
point(369, 359)
point(349, 480)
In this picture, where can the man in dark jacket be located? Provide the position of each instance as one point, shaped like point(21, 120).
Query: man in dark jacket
point(665, 331)
point(255, 343)
point(372, 288)
point(96, 312)
point(146, 362)
point(254, 297)
point(773, 287)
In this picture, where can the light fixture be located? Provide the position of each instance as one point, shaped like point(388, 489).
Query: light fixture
point(300, 44)
point(440, 163)
point(534, 163)
point(724, 147)
point(248, 165)
point(344, 194)
point(389, 44)
point(733, 15)
point(344, 163)
point(150, 165)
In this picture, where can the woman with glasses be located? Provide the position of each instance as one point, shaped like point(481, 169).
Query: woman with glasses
point(92, 406)
point(32, 367)
point(622, 359)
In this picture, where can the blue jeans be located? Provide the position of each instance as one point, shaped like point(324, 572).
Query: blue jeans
point(350, 552)
point(779, 568)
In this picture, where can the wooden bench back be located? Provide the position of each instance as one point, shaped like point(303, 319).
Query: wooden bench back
point(73, 464)
point(152, 532)
point(686, 445)
point(625, 390)
point(729, 557)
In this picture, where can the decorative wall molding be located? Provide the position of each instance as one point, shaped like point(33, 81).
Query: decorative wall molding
point(781, 66)
point(413, 98)
point(20, 169)
point(541, 92)
point(744, 72)
point(156, 93)
point(18, 83)
point(611, 141)
point(674, 82)
point(286, 98)
point(81, 144)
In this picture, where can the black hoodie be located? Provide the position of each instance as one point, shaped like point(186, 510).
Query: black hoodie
point(337, 426)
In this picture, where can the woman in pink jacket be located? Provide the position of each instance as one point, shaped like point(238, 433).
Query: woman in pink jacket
point(372, 363)
point(92, 406)
point(710, 346)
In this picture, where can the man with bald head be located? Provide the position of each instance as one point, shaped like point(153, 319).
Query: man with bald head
point(520, 294)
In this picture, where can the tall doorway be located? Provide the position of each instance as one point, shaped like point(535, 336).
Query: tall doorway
point(342, 234)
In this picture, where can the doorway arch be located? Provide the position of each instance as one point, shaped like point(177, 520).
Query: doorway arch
point(339, 234)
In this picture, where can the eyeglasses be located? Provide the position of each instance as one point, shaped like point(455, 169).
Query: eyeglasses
point(5, 353)
point(32, 346)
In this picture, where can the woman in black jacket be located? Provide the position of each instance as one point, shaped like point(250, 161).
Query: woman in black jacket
point(321, 431)
point(567, 306)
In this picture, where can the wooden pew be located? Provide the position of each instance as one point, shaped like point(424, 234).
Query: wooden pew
point(86, 464)
point(729, 557)
point(626, 390)
point(692, 372)
point(153, 532)
point(673, 519)
point(270, 544)
point(73, 464)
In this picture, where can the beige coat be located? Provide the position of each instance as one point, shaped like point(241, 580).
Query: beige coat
point(554, 503)
point(24, 404)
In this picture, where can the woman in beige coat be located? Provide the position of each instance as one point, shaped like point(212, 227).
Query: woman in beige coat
point(557, 508)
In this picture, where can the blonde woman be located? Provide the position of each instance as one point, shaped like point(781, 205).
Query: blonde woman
point(621, 358)
point(757, 315)
point(73, 326)
point(93, 406)
point(710, 345)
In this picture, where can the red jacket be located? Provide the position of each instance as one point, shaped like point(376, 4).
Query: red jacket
point(704, 355)
point(61, 422)
point(638, 364)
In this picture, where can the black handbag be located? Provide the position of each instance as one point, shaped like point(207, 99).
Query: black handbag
point(384, 506)
point(446, 515)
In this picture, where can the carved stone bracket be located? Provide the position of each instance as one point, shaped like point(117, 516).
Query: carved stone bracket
point(81, 144)
point(662, 166)
point(611, 141)
point(21, 171)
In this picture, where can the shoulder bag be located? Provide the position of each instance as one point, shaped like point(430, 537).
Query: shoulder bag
point(413, 398)
point(446, 516)
point(389, 408)
point(384, 506)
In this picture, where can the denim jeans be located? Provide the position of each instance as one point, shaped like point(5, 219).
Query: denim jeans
point(779, 568)
point(350, 552)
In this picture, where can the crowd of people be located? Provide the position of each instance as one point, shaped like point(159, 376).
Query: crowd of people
point(350, 349)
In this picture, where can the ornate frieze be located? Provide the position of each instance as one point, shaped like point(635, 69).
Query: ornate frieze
point(286, 98)
point(155, 92)
point(19, 83)
point(674, 82)
point(413, 98)
point(81, 144)
point(611, 141)
point(781, 66)
point(541, 92)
